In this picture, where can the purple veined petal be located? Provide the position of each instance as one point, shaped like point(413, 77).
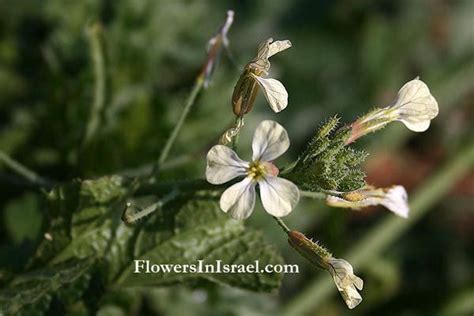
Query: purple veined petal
point(239, 199)
point(274, 92)
point(415, 106)
point(269, 141)
point(279, 196)
point(223, 164)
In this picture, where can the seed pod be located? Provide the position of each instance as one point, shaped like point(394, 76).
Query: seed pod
point(244, 95)
point(250, 81)
point(314, 252)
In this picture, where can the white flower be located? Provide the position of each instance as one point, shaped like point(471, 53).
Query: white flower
point(414, 106)
point(251, 79)
point(346, 281)
point(279, 196)
point(394, 198)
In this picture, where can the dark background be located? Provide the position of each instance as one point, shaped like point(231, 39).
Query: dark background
point(347, 57)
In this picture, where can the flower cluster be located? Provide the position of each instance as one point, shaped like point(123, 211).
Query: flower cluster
point(325, 163)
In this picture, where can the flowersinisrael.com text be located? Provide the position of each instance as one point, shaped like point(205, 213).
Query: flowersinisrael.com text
point(145, 266)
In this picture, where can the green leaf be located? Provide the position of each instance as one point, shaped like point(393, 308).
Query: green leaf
point(203, 232)
point(32, 293)
point(96, 227)
point(22, 218)
point(85, 222)
point(180, 233)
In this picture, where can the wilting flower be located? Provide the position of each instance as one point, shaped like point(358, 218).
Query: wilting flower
point(346, 281)
point(394, 198)
point(414, 106)
point(251, 79)
point(341, 271)
point(279, 196)
point(214, 47)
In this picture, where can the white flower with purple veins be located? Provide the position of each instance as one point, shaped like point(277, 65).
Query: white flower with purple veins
point(394, 198)
point(279, 196)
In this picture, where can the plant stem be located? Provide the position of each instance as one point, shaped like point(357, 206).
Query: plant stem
point(97, 56)
point(282, 224)
point(312, 195)
point(131, 218)
point(198, 84)
point(23, 171)
point(184, 186)
point(387, 231)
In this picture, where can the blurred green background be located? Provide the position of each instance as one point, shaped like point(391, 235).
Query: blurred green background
point(347, 57)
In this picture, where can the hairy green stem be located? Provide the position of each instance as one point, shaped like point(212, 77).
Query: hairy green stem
point(23, 171)
point(387, 231)
point(97, 56)
point(198, 85)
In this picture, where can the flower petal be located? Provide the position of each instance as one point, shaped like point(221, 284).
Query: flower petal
point(335, 201)
point(278, 46)
point(414, 126)
point(239, 199)
point(274, 92)
point(223, 165)
point(270, 141)
point(415, 105)
point(264, 48)
point(279, 196)
point(346, 281)
point(268, 48)
point(396, 200)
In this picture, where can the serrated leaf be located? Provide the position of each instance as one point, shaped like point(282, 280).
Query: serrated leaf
point(203, 232)
point(32, 293)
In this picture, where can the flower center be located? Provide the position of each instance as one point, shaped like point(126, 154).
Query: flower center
point(258, 170)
